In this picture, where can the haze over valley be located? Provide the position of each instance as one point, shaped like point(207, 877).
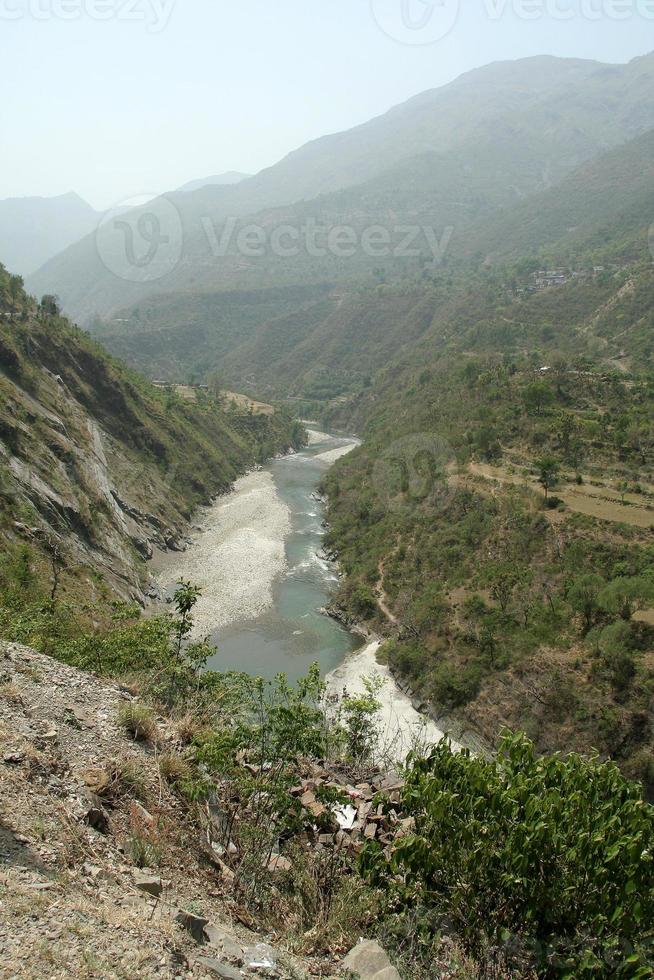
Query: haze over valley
point(327, 496)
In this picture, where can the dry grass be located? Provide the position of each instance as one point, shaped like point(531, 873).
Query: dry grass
point(139, 721)
point(188, 727)
point(117, 779)
point(11, 692)
point(174, 768)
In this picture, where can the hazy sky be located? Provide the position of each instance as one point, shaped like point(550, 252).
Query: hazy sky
point(119, 98)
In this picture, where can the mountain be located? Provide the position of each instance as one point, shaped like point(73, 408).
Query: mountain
point(484, 142)
point(218, 180)
point(96, 459)
point(324, 339)
point(34, 229)
point(602, 203)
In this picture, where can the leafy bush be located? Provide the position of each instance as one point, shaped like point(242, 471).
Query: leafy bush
point(550, 857)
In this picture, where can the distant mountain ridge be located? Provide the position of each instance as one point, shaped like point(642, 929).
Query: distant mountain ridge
point(34, 229)
point(324, 339)
point(534, 120)
point(218, 180)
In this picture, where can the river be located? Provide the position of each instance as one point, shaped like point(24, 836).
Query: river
point(256, 556)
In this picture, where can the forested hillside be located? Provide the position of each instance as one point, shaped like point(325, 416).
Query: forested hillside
point(323, 339)
point(497, 522)
point(96, 465)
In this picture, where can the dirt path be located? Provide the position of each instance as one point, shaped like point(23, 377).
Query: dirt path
point(382, 597)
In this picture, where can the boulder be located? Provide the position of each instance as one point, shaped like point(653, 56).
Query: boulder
point(222, 940)
point(369, 961)
point(194, 924)
point(152, 884)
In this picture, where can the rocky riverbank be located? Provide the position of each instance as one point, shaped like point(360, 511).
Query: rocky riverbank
point(236, 554)
point(406, 721)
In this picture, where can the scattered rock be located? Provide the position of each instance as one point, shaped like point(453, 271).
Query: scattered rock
point(140, 814)
point(152, 884)
point(221, 940)
point(219, 969)
point(369, 961)
point(73, 717)
point(278, 863)
point(260, 957)
point(96, 817)
point(194, 924)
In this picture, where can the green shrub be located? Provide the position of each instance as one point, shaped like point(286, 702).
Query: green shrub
point(551, 857)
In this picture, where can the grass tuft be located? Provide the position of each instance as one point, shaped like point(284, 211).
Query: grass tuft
point(139, 721)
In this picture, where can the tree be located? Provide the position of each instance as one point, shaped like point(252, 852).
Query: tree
point(537, 396)
point(50, 305)
point(559, 367)
point(548, 470)
point(16, 293)
point(584, 598)
point(215, 385)
point(524, 599)
point(360, 720)
point(564, 429)
point(544, 855)
point(503, 584)
point(626, 595)
point(185, 597)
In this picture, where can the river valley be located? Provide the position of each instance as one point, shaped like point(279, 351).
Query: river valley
point(256, 554)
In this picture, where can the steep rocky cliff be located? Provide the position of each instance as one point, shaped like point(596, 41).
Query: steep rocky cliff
point(96, 463)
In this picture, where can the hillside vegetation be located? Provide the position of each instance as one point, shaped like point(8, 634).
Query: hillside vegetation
point(494, 528)
point(96, 463)
point(324, 339)
point(501, 507)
